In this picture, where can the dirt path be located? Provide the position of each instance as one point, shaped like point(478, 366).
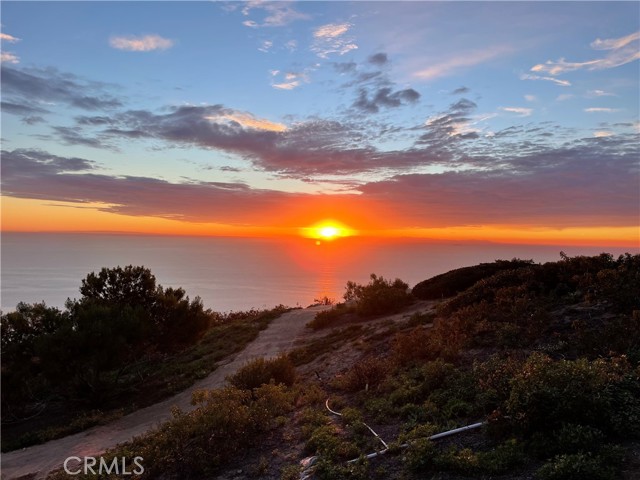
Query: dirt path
point(38, 460)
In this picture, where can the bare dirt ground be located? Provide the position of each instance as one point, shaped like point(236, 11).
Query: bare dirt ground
point(36, 461)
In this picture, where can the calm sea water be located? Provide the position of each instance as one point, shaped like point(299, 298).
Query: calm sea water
point(238, 273)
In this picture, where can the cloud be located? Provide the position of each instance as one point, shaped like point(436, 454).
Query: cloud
point(378, 59)
point(384, 97)
point(530, 98)
point(591, 182)
point(5, 37)
point(560, 190)
point(600, 110)
point(146, 43)
point(249, 121)
point(26, 91)
point(332, 30)
point(446, 128)
point(265, 46)
point(557, 81)
point(452, 65)
point(602, 133)
point(290, 80)
point(21, 109)
point(277, 14)
point(621, 51)
point(331, 39)
point(8, 57)
point(564, 96)
point(599, 93)
point(521, 111)
point(460, 91)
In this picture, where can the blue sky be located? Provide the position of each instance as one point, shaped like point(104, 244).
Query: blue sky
point(362, 99)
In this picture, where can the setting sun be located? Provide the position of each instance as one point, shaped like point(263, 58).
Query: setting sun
point(327, 230)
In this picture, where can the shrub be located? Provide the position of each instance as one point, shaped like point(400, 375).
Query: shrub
point(260, 371)
point(366, 373)
point(198, 443)
point(576, 466)
point(328, 318)
point(378, 297)
point(599, 393)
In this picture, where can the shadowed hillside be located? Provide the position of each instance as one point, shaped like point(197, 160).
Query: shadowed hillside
point(547, 355)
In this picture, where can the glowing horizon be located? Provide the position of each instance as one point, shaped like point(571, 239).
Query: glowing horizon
point(512, 132)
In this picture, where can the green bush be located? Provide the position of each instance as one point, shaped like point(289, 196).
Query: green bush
point(378, 297)
point(255, 373)
point(577, 466)
point(600, 393)
point(195, 444)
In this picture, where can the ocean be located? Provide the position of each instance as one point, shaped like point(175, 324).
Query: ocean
point(240, 273)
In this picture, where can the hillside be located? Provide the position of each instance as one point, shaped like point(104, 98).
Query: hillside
point(547, 355)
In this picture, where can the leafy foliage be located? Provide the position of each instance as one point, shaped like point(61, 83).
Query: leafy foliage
point(258, 372)
point(378, 297)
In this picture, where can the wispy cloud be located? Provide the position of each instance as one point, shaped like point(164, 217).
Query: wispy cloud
point(530, 98)
point(265, 46)
point(621, 51)
point(5, 37)
point(146, 43)
point(32, 88)
point(564, 96)
point(602, 134)
point(600, 93)
point(289, 80)
point(557, 81)
point(521, 111)
point(468, 59)
point(332, 38)
point(600, 110)
point(8, 57)
point(277, 14)
point(249, 121)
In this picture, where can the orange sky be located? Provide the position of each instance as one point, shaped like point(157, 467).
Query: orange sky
point(23, 215)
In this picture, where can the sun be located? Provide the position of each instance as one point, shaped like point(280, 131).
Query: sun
point(327, 230)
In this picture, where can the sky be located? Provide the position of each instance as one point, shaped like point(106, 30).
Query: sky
point(491, 121)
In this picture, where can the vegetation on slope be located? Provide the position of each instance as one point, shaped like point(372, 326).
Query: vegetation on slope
point(548, 354)
point(125, 344)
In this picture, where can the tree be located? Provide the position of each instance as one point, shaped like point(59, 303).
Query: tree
point(134, 286)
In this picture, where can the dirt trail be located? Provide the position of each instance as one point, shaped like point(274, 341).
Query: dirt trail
point(39, 460)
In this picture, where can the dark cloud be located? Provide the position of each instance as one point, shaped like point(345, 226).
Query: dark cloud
point(582, 186)
point(93, 120)
point(591, 183)
point(378, 59)
point(445, 129)
point(23, 163)
point(32, 119)
point(460, 91)
point(24, 87)
point(21, 109)
point(384, 97)
point(74, 136)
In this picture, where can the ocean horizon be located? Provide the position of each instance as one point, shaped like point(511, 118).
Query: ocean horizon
point(233, 273)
